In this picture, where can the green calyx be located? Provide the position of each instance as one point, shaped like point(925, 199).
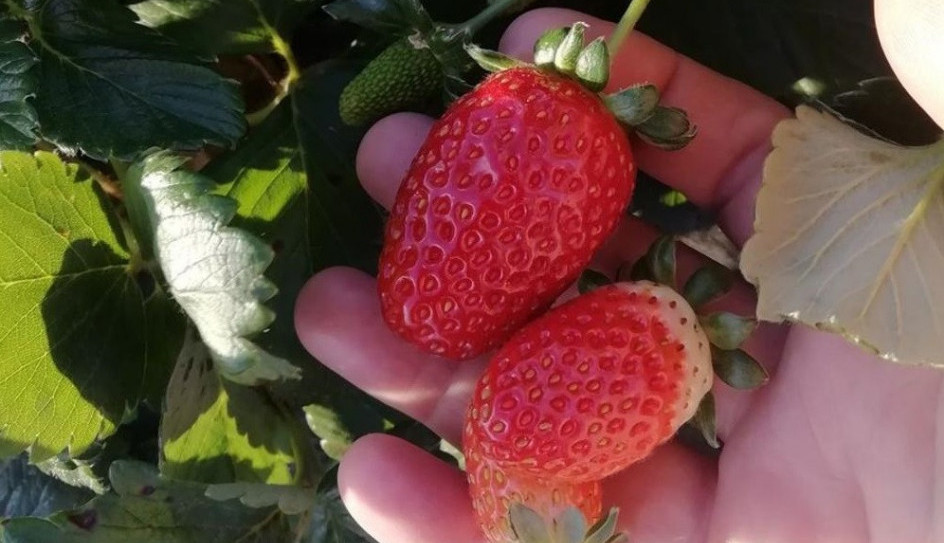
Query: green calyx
point(563, 51)
point(570, 526)
point(559, 50)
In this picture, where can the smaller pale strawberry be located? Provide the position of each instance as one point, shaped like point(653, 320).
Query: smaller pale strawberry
point(593, 385)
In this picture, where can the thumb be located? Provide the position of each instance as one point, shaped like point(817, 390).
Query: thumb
point(910, 32)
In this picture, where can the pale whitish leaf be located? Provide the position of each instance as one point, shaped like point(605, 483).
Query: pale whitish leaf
point(292, 500)
point(27, 491)
point(214, 431)
point(74, 472)
point(114, 88)
point(147, 508)
point(74, 356)
point(17, 87)
point(215, 272)
point(850, 238)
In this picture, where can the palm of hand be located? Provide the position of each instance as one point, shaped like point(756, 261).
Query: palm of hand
point(839, 447)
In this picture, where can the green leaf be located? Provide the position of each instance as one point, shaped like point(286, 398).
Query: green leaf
point(146, 507)
point(26, 491)
point(850, 238)
point(327, 425)
point(113, 88)
point(738, 369)
point(214, 431)
point(291, 500)
point(215, 272)
point(224, 26)
point(385, 16)
point(65, 278)
point(294, 182)
point(265, 178)
point(17, 85)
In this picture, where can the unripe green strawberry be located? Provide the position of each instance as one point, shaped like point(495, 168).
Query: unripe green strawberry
point(402, 76)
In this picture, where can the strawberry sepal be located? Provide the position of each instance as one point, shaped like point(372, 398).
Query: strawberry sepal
point(738, 369)
point(569, 526)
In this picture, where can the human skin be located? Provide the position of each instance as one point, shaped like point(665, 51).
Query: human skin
point(838, 447)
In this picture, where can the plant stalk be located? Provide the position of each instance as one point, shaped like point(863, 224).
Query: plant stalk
point(488, 14)
point(285, 51)
point(627, 23)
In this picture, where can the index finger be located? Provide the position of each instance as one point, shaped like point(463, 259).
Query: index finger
point(721, 169)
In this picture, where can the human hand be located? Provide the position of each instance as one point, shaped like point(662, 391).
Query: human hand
point(838, 447)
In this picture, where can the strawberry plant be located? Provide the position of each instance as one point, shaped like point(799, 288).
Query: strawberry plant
point(172, 172)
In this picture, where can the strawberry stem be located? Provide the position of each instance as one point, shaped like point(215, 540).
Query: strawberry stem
point(626, 24)
point(486, 16)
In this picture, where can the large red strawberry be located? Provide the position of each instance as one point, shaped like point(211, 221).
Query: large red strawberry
point(593, 385)
point(509, 196)
point(494, 491)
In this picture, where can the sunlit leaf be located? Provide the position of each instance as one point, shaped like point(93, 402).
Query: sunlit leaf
point(214, 271)
point(78, 351)
point(214, 431)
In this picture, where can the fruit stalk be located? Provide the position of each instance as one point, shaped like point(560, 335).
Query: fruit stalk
point(627, 23)
point(485, 16)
